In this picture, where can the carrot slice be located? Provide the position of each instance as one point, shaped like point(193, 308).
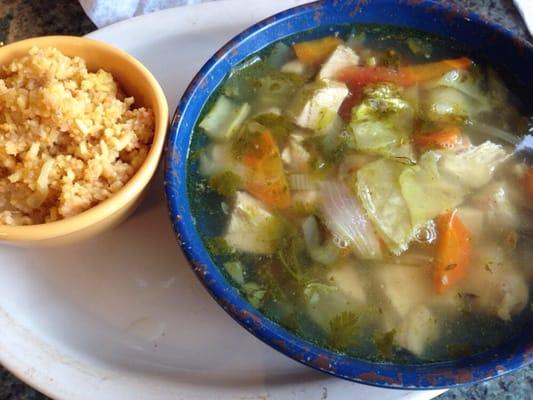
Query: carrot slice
point(355, 76)
point(426, 72)
point(315, 52)
point(453, 251)
point(267, 180)
point(446, 138)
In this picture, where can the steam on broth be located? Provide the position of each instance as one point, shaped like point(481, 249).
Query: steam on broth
point(364, 196)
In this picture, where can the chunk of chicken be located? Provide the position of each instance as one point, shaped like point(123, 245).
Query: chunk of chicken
point(495, 285)
point(252, 227)
point(342, 57)
point(316, 104)
point(417, 330)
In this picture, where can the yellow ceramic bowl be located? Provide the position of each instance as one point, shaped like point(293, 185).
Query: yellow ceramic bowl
point(135, 80)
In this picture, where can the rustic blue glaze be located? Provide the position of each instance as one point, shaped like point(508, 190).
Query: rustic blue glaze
point(487, 41)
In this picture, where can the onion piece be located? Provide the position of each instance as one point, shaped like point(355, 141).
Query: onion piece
point(345, 219)
point(301, 182)
point(324, 254)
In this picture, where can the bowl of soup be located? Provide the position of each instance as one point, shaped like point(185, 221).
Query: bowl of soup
point(344, 181)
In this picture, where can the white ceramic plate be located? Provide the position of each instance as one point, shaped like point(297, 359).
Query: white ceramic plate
point(123, 316)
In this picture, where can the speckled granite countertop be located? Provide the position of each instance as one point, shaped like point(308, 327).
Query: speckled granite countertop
point(21, 19)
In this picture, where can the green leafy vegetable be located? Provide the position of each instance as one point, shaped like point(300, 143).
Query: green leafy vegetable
point(278, 125)
point(235, 270)
point(426, 191)
point(254, 293)
point(217, 245)
point(382, 122)
point(381, 197)
point(225, 183)
point(342, 329)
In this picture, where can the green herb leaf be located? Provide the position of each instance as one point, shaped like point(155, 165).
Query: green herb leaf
point(342, 329)
point(225, 183)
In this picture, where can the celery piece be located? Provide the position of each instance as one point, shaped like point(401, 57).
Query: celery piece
point(224, 119)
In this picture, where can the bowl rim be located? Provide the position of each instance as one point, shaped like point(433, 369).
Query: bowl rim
point(436, 375)
point(135, 185)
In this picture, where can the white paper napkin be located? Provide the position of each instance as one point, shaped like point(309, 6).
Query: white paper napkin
point(106, 12)
point(526, 9)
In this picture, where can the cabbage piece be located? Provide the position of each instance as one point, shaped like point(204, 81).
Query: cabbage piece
point(473, 167)
point(382, 122)
point(441, 180)
point(381, 197)
point(446, 105)
point(426, 191)
point(224, 119)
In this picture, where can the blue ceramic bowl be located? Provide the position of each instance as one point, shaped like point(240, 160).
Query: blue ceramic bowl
point(486, 41)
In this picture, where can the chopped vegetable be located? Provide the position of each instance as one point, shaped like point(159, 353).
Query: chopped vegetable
point(315, 52)
point(356, 77)
point(453, 251)
point(345, 219)
point(235, 271)
point(426, 191)
point(325, 254)
point(225, 183)
point(382, 122)
point(380, 195)
point(426, 72)
point(224, 119)
point(475, 166)
point(446, 138)
point(267, 180)
point(302, 182)
point(446, 105)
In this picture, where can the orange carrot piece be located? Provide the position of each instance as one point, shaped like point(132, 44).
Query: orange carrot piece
point(315, 52)
point(446, 138)
point(426, 72)
point(453, 251)
point(267, 180)
point(356, 77)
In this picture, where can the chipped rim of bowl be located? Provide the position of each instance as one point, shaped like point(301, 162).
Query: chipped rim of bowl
point(436, 375)
point(132, 188)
